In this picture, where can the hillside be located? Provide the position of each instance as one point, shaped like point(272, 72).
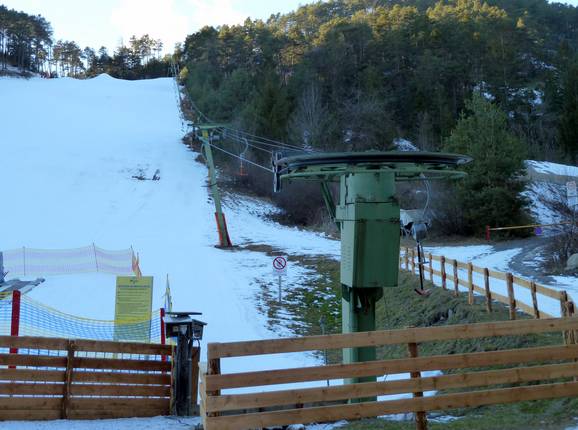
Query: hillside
point(351, 75)
point(70, 151)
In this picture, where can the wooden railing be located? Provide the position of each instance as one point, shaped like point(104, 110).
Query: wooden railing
point(452, 274)
point(236, 411)
point(48, 378)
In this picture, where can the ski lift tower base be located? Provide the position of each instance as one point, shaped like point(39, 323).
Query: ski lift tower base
point(368, 214)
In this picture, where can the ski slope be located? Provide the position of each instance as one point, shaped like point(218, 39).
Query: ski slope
point(70, 149)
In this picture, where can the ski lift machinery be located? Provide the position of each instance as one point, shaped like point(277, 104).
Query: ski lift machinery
point(368, 216)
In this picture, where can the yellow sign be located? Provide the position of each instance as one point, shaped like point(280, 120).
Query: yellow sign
point(133, 308)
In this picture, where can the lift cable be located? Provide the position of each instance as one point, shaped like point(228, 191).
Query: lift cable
point(265, 140)
point(251, 137)
point(239, 158)
point(244, 142)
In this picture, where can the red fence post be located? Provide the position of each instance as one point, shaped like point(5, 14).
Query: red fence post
point(15, 322)
point(163, 334)
point(488, 233)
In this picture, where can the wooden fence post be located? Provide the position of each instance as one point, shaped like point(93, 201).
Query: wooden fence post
point(431, 278)
point(511, 297)
point(470, 283)
point(564, 313)
point(15, 320)
point(443, 270)
point(535, 300)
point(214, 368)
point(563, 300)
point(195, 378)
point(413, 260)
point(68, 381)
point(163, 332)
point(571, 310)
point(456, 279)
point(420, 416)
point(487, 288)
point(406, 258)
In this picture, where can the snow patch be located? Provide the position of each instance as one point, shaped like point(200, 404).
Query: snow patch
point(68, 182)
point(404, 145)
point(550, 168)
point(156, 423)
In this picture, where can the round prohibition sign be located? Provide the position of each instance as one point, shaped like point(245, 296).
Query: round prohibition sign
point(279, 263)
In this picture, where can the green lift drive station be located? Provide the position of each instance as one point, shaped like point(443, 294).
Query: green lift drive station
point(368, 216)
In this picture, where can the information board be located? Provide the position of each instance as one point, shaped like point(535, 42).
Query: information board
point(133, 308)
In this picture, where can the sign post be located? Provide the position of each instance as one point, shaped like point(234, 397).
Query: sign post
point(133, 308)
point(280, 269)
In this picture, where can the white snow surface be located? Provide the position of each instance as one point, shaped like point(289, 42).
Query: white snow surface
point(156, 423)
point(69, 151)
point(552, 168)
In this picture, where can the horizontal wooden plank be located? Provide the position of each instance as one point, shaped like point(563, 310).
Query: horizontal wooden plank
point(122, 364)
point(31, 360)
point(479, 289)
point(500, 298)
point(548, 292)
point(530, 310)
point(389, 337)
point(110, 403)
point(373, 409)
point(116, 413)
point(462, 265)
point(122, 347)
point(33, 342)
point(479, 270)
point(344, 392)
point(436, 257)
point(380, 367)
point(122, 378)
point(120, 390)
point(31, 403)
point(497, 275)
point(540, 289)
point(49, 343)
point(521, 282)
point(32, 375)
point(23, 388)
point(30, 415)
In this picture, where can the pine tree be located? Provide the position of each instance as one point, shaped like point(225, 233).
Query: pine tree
point(568, 128)
point(490, 194)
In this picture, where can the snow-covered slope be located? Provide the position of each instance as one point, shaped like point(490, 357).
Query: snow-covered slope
point(69, 151)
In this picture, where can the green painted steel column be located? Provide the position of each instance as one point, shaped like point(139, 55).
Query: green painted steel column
point(368, 214)
point(224, 240)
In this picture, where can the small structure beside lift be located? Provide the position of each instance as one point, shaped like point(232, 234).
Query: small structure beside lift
point(186, 330)
point(368, 215)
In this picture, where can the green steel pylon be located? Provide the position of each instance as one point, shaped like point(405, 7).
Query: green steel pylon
point(206, 139)
point(368, 216)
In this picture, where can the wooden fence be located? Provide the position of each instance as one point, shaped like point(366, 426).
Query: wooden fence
point(48, 378)
point(453, 274)
point(552, 376)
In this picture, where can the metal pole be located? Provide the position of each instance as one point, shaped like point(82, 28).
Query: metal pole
point(279, 289)
point(369, 217)
point(182, 381)
point(224, 240)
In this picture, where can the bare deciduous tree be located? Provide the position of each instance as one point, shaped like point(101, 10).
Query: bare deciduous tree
point(309, 124)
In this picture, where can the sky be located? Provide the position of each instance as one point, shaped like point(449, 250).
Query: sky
point(97, 23)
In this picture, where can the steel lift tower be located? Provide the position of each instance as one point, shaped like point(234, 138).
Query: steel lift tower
point(368, 216)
